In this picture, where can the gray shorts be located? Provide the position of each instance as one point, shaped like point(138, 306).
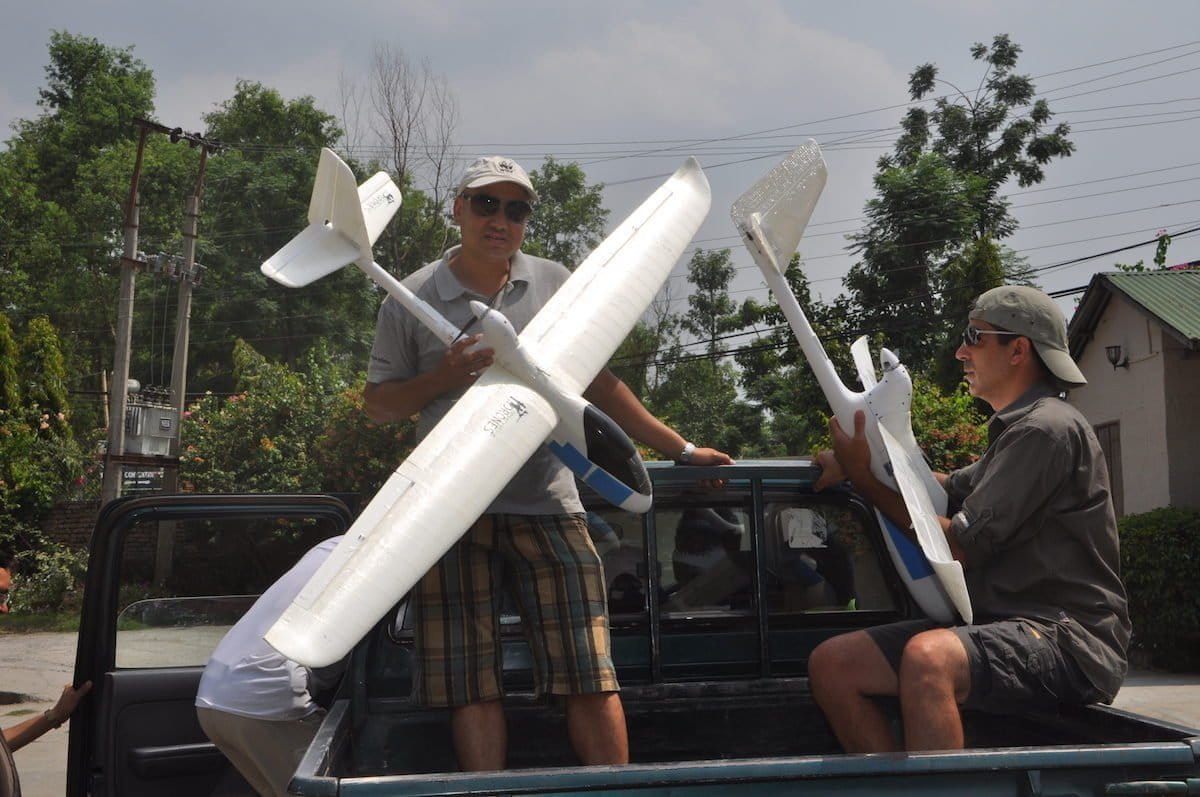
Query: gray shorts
point(1015, 664)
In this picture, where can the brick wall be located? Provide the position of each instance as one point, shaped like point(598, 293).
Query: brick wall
point(72, 523)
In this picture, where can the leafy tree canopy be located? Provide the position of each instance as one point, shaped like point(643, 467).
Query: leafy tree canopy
point(570, 216)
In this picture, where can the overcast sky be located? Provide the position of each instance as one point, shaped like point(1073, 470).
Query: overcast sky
point(613, 84)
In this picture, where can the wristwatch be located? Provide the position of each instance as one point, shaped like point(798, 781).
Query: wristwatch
point(685, 456)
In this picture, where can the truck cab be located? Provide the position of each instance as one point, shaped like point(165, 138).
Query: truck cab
point(717, 596)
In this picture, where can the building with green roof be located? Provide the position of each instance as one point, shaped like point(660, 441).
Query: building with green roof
point(1136, 337)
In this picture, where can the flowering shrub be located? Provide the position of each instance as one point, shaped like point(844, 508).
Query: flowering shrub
point(40, 462)
point(288, 431)
point(949, 427)
point(48, 578)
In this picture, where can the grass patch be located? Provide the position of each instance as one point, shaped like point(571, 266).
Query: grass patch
point(26, 623)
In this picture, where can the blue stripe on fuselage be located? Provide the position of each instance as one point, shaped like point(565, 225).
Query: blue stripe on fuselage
point(608, 486)
point(914, 559)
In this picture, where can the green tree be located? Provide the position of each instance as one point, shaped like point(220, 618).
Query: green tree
point(58, 243)
point(711, 313)
point(45, 377)
point(288, 430)
point(776, 375)
point(10, 382)
point(256, 199)
point(699, 398)
point(932, 231)
point(1000, 131)
point(922, 215)
point(39, 458)
point(92, 94)
point(698, 394)
point(947, 424)
point(570, 216)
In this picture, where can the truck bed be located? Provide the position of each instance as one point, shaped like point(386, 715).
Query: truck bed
point(751, 734)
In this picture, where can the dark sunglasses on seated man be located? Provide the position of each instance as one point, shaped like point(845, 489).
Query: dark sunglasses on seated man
point(486, 205)
point(971, 336)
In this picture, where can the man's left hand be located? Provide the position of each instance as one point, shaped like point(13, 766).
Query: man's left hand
point(708, 457)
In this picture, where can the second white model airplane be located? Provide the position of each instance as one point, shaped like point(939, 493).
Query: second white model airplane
point(772, 216)
point(531, 393)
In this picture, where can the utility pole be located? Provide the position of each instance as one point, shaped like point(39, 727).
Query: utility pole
point(187, 279)
point(116, 455)
point(117, 396)
point(188, 276)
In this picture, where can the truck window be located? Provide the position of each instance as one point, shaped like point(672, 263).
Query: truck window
point(618, 538)
point(184, 583)
point(706, 558)
point(820, 559)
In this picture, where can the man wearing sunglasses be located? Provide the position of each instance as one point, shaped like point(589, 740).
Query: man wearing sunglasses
point(534, 533)
point(1032, 524)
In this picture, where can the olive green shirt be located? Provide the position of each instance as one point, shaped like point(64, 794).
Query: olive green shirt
point(1036, 523)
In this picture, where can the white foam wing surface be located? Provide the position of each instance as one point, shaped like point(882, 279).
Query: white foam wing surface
point(428, 503)
point(578, 330)
point(924, 518)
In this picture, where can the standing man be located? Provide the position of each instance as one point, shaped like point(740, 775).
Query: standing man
point(255, 705)
point(535, 529)
point(1033, 525)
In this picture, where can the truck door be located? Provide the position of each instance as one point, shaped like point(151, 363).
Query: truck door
point(167, 577)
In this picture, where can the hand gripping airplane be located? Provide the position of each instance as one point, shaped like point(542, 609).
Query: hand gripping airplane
point(771, 216)
point(531, 394)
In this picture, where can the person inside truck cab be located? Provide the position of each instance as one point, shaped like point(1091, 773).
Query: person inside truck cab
point(535, 529)
point(1033, 526)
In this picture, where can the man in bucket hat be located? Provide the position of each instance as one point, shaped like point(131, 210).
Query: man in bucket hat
point(1033, 526)
point(535, 530)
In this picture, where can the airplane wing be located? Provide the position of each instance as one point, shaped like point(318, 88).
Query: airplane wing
point(453, 475)
point(924, 518)
point(428, 503)
point(578, 330)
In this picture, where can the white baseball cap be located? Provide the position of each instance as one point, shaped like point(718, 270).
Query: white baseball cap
point(496, 169)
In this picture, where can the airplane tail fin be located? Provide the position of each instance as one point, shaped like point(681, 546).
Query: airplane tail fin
point(779, 205)
point(344, 220)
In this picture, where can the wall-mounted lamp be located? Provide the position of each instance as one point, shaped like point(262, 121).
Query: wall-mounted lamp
point(1116, 356)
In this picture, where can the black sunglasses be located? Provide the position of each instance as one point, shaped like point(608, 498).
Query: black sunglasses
point(972, 336)
point(485, 205)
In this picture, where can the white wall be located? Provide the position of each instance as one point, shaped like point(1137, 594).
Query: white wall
point(1132, 396)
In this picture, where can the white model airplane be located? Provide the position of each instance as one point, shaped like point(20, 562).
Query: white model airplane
point(771, 216)
point(530, 393)
point(343, 225)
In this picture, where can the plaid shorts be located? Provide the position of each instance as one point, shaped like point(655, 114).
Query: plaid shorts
point(557, 580)
point(1014, 664)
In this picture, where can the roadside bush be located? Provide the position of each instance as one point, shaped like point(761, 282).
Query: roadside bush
point(49, 579)
point(1160, 560)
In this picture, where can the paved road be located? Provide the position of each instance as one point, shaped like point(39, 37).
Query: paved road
point(38, 665)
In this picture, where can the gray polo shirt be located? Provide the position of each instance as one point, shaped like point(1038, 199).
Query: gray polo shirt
point(1036, 521)
point(404, 348)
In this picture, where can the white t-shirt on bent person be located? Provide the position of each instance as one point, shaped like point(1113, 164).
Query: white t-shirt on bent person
point(248, 677)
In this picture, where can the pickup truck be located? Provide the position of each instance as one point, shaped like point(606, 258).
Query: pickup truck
point(717, 597)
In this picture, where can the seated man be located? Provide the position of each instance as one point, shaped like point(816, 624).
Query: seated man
point(254, 704)
point(1032, 523)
